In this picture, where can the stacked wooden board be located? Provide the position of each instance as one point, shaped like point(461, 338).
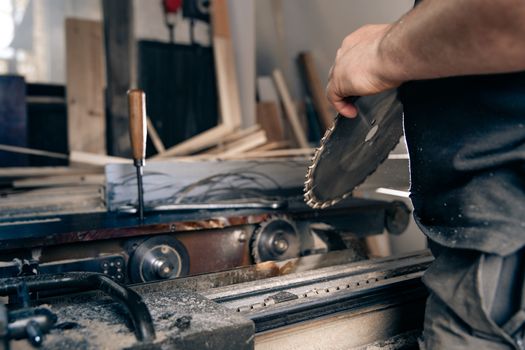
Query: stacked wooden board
point(35, 192)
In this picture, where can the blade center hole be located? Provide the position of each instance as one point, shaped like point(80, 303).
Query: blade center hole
point(371, 133)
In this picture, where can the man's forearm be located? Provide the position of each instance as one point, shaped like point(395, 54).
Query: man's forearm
point(441, 38)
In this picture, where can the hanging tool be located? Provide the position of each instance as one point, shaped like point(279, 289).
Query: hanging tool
point(353, 148)
point(138, 134)
point(171, 8)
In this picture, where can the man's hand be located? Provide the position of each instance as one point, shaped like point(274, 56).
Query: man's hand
point(438, 38)
point(358, 69)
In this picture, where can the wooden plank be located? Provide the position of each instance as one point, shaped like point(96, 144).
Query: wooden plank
point(154, 136)
point(225, 65)
point(57, 181)
point(69, 205)
point(229, 102)
point(254, 154)
point(74, 157)
point(243, 35)
point(17, 172)
point(85, 86)
point(316, 89)
point(220, 19)
point(300, 107)
point(38, 197)
point(295, 152)
point(235, 136)
point(240, 143)
point(197, 143)
point(239, 134)
point(53, 201)
point(245, 144)
point(120, 67)
point(270, 146)
point(269, 119)
point(36, 152)
point(290, 109)
point(48, 192)
point(92, 159)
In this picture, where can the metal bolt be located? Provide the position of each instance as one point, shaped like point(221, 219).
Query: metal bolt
point(163, 268)
point(280, 245)
point(241, 236)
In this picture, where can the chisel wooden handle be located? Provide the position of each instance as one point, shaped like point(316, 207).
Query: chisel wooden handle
point(137, 124)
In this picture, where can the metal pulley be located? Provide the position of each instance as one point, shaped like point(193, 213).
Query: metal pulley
point(159, 258)
point(276, 239)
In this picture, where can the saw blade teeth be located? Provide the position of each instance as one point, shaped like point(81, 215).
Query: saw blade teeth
point(309, 198)
point(394, 110)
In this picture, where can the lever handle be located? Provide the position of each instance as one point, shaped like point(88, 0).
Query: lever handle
point(137, 124)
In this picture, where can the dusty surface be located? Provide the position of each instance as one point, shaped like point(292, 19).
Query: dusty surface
point(182, 319)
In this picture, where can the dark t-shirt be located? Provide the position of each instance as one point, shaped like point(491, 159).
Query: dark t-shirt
point(466, 140)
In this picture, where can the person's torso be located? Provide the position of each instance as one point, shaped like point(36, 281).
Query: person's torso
point(466, 139)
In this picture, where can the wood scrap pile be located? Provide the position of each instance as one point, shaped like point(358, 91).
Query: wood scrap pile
point(284, 127)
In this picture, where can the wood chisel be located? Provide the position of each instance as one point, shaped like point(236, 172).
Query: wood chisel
point(138, 134)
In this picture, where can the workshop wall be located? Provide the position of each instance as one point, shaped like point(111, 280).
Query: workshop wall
point(149, 24)
point(33, 36)
point(286, 27)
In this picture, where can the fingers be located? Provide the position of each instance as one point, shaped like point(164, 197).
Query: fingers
point(346, 109)
point(341, 104)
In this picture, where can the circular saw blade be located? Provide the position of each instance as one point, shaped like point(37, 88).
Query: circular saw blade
point(353, 148)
